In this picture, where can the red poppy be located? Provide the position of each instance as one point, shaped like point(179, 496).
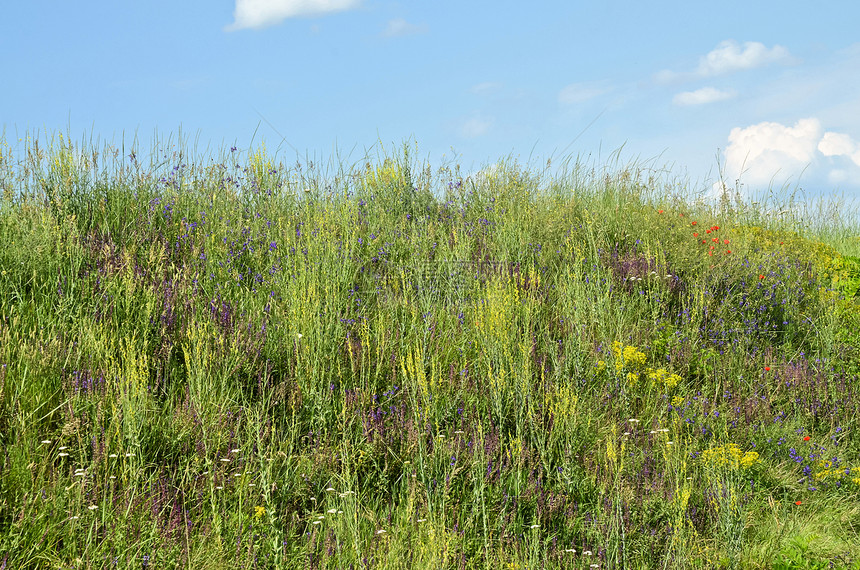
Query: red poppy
point(659, 211)
point(728, 252)
point(798, 502)
point(806, 438)
point(767, 368)
point(761, 276)
point(694, 223)
point(726, 242)
point(695, 234)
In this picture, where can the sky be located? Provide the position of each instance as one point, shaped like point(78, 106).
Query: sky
point(763, 95)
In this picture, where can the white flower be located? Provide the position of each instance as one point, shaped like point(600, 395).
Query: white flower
point(93, 507)
point(46, 441)
point(381, 531)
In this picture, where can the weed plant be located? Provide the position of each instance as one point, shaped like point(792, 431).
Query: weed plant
point(240, 363)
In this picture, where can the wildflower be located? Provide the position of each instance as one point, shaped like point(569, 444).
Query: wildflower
point(235, 450)
point(62, 447)
point(112, 455)
point(761, 276)
point(767, 368)
point(381, 531)
point(537, 525)
point(587, 553)
point(64, 455)
point(798, 503)
point(694, 223)
point(659, 211)
point(807, 438)
point(259, 512)
point(330, 489)
point(570, 550)
point(225, 460)
point(331, 511)
point(46, 441)
point(93, 507)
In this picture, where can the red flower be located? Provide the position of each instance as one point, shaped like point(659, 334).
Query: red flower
point(707, 231)
point(728, 252)
point(726, 242)
point(694, 223)
point(695, 234)
point(761, 276)
point(767, 368)
point(716, 228)
point(798, 502)
point(659, 211)
point(806, 438)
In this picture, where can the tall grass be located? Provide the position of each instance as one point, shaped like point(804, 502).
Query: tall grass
point(239, 363)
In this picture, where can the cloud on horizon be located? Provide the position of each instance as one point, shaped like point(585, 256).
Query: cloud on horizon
point(258, 14)
point(702, 96)
point(728, 57)
point(772, 152)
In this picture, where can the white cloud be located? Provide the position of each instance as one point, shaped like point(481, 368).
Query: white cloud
point(581, 92)
point(475, 127)
point(702, 96)
point(761, 152)
point(836, 144)
point(263, 13)
point(728, 57)
point(400, 27)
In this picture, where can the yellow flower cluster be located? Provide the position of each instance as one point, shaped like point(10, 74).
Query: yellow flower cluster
point(627, 356)
point(731, 456)
point(827, 471)
point(632, 360)
point(660, 376)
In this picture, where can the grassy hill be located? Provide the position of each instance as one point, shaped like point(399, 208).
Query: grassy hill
point(240, 363)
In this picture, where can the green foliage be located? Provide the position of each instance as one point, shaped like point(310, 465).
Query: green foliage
point(242, 363)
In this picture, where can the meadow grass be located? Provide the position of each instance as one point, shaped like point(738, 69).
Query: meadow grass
point(239, 363)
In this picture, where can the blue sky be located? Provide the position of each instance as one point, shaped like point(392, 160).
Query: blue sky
point(766, 91)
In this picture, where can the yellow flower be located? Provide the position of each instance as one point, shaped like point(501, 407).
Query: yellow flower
point(259, 512)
